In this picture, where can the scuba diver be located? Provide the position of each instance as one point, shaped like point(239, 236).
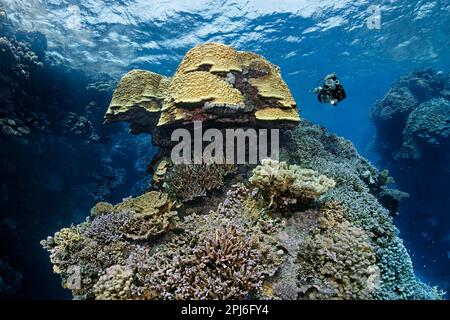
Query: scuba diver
point(332, 91)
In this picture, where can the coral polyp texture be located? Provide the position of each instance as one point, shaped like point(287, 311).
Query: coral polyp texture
point(318, 224)
point(215, 84)
point(282, 182)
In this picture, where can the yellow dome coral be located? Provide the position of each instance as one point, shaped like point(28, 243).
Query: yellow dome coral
point(213, 57)
point(213, 83)
point(272, 114)
point(138, 88)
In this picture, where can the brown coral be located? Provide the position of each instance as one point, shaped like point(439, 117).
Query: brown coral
point(138, 88)
point(193, 89)
point(151, 214)
point(186, 182)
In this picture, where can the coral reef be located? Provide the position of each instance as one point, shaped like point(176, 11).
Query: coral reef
point(316, 225)
point(412, 118)
point(106, 240)
point(214, 83)
point(412, 137)
point(221, 264)
point(427, 129)
point(115, 284)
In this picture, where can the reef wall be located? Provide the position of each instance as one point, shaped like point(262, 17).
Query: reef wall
point(413, 140)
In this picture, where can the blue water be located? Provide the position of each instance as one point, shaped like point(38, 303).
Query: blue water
point(307, 39)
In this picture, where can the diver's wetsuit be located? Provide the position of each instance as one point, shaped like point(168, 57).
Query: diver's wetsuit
point(332, 91)
point(327, 93)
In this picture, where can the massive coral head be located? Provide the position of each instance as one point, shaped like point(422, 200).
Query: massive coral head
point(214, 83)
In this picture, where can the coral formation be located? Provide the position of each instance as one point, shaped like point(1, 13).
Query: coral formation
point(139, 96)
point(106, 240)
point(316, 225)
point(345, 246)
point(186, 182)
point(412, 118)
point(427, 128)
point(337, 261)
point(115, 284)
point(413, 139)
point(283, 183)
point(221, 264)
point(214, 83)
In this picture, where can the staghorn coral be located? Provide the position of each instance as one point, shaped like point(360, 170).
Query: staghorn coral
point(186, 182)
point(221, 264)
point(283, 183)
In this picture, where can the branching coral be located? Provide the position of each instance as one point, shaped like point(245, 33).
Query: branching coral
point(216, 257)
point(289, 184)
point(107, 239)
point(80, 258)
point(186, 182)
point(222, 264)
